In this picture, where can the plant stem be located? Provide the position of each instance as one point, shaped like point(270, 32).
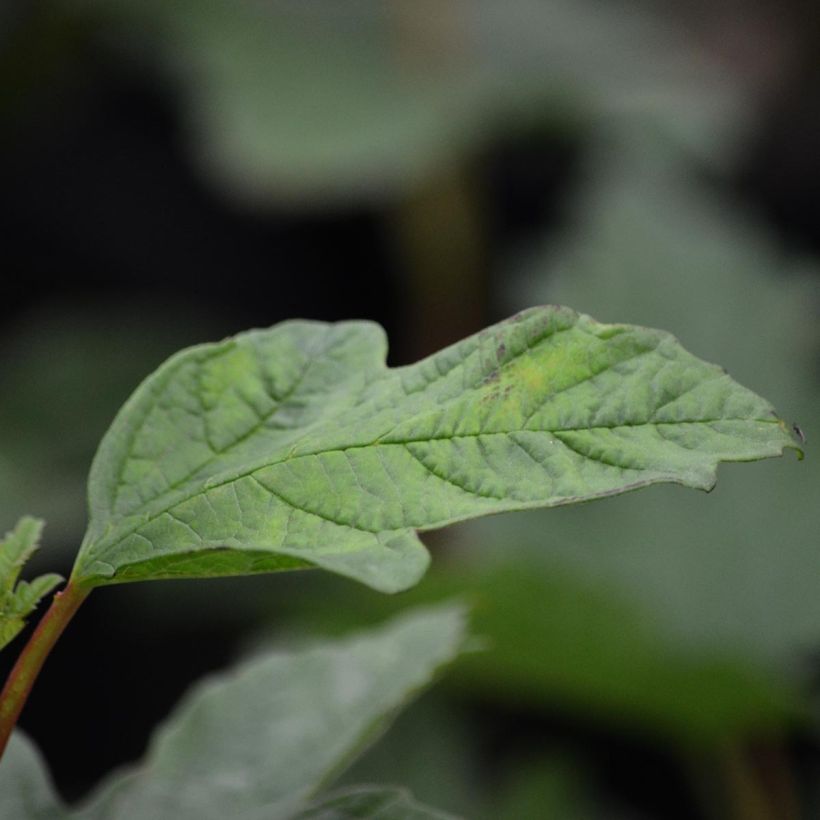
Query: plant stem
point(31, 660)
point(745, 780)
point(759, 783)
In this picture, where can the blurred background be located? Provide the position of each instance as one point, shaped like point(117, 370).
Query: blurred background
point(174, 171)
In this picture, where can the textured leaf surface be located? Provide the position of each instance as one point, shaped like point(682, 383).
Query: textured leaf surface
point(19, 599)
point(259, 742)
point(297, 446)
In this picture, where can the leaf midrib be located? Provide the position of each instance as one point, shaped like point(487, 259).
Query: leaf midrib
point(311, 360)
point(149, 516)
point(153, 516)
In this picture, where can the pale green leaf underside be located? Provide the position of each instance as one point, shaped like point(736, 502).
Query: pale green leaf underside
point(297, 446)
point(18, 599)
point(26, 792)
point(372, 803)
point(264, 739)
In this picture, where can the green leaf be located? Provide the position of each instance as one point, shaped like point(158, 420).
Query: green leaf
point(16, 548)
point(263, 739)
point(371, 803)
point(297, 446)
point(29, 593)
point(556, 639)
point(18, 600)
point(26, 792)
point(431, 748)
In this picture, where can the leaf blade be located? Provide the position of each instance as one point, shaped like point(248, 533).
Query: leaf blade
point(18, 599)
point(26, 791)
point(299, 446)
point(263, 739)
point(371, 803)
point(17, 547)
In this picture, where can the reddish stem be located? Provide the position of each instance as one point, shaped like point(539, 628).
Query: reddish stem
point(31, 660)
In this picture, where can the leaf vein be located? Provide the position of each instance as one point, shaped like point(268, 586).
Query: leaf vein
point(449, 480)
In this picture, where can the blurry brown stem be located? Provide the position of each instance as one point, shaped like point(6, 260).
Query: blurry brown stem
point(745, 781)
point(759, 783)
point(439, 232)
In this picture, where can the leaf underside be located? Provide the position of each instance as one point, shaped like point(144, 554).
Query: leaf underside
point(262, 740)
point(371, 803)
point(297, 446)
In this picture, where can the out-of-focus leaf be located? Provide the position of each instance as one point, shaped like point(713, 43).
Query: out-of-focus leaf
point(547, 788)
point(371, 803)
point(299, 101)
point(26, 793)
point(432, 749)
point(262, 740)
point(297, 446)
point(556, 639)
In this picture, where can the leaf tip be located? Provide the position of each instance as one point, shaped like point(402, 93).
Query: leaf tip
point(795, 438)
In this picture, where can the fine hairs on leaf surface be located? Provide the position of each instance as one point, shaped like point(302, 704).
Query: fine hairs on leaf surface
point(262, 740)
point(297, 446)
